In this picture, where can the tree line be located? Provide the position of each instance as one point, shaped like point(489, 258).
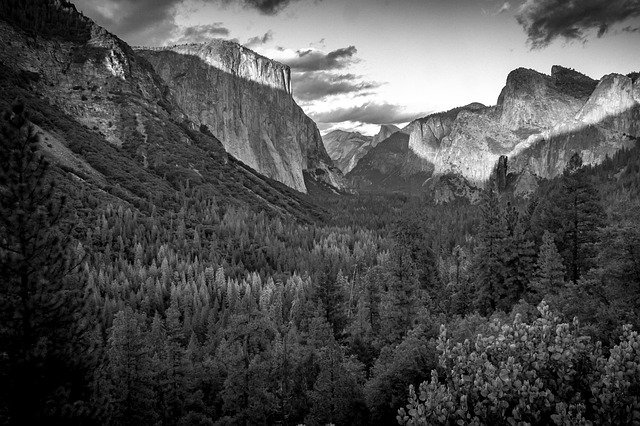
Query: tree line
point(213, 314)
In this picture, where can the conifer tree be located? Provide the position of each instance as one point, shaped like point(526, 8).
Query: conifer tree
point(400, 302)
point(549, 273)
point(129, 371)
point(519, 260)
point(575, 216)
point(40, 296)
point(491, 255)
point(334, 393)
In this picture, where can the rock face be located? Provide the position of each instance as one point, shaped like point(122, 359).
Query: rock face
point(386, 130)
point(538, 122)
point(245, 100)
point(110, 121)
point(347, 148)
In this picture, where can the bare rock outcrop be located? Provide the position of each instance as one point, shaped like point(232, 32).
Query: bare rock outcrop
point(538, 122)
point(244, 99)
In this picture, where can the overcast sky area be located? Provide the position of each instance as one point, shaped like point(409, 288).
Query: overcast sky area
point(357, 64)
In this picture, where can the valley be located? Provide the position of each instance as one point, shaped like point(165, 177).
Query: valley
point(181, 245)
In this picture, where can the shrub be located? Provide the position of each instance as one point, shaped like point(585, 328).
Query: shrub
point(545, 372)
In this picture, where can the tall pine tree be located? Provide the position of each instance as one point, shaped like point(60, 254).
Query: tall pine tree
point(575, 215)
point(491, 253)
point(549, 273)
point(42, 345)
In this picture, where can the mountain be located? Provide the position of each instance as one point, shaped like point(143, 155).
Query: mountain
point(539, 121)
point(244, 99)
point(347, 148)
point(109, 122)
point(386, 130)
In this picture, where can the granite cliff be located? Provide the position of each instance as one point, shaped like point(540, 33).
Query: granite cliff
point(244, 99)
point(386, 130)
point(539, 121)
point(108, 121)
point(347, 148)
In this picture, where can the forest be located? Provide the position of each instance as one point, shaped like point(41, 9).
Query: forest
point(386, 309)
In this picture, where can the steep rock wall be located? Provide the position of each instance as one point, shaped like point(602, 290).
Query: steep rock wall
point(538, 123)
point(346, 148)
point(245, 100)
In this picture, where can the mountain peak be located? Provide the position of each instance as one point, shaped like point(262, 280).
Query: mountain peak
point(235, 59)
point(386, 130)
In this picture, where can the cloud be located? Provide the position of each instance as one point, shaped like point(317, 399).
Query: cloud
point(546, 20)
point(260, 40)
point(316, 60)
point(266, 7)
point(148, 22)
point(506, 6)
point(201, 33)
point(137, 21)
point(315, 86)
point(369, 113)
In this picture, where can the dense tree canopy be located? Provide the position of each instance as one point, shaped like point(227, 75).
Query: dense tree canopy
point(198, 311)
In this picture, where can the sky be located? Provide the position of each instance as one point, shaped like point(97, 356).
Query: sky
point(357, 64)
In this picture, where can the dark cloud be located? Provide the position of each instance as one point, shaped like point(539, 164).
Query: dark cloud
point(260, 40)
point(202, 33)
point(315, 60)
point(315, 86)
point(267, 7)
point(547, 20)
point(137, 21)
point(369, 113)
point(148, 22)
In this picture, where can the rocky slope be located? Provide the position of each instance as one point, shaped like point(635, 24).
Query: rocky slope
point(109, 122)
point(245, 100)
point(347, 148)
point(386, 130)
point(538, 122)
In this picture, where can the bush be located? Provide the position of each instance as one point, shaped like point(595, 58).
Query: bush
point(545, 372)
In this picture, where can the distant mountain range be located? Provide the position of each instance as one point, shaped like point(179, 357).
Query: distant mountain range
point(244, 99)
point(539, 121)
point(118, 124)
point(139, 123)
point(347, 148)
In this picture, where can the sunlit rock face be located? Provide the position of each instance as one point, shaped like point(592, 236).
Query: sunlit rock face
point(346, 148)
point(538, 123)
point(464, 141)
point(613, 99)
point(608, 121)
point(241, 62)
point(531, 101)
point(245, 100)
point(386, 130)
point(93, 79)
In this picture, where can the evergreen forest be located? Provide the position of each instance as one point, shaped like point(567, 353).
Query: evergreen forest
point(373, 309)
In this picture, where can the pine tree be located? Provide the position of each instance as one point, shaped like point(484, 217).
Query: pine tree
point(519, 260)
point(40, 296)
point(331, 294)
point(335, 392)
point(129, 371)
point(491, 254)
point(549, 273)
point(575, 216)
point(399, 303)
